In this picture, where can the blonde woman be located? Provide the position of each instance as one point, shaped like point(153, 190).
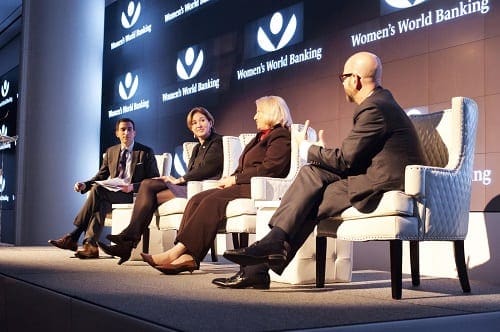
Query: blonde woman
point(268, 154)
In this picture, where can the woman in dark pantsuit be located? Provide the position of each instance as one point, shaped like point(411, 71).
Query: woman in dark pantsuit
point(206, 162)
point(268, 154)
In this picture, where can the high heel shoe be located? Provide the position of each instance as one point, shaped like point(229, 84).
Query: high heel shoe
point(121, 239)
point(119, 250)
point(177, 268)
point(148, 259)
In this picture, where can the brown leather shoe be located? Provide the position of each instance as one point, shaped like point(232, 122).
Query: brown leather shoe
point(89, 251)
point(66, 242)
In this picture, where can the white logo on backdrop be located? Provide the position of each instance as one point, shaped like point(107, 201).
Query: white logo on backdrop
point(403, 3)
point(187, 66)
point(5, 88)
point(276, 27)
point(132, 15)
point(2, 183)
point(131, 83)
point(6, 140)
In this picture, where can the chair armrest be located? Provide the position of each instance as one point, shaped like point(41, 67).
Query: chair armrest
point(210, 184)
point(420, 179)
point(269, 189)
point(194, 187)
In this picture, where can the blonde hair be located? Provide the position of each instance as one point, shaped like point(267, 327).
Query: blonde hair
point(275, 111)
point(201, 110)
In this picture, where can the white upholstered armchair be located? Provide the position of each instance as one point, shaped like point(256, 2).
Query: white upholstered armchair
point(434, 205)
point(169, 214)
point(271, 189)
point(266, 194)
point(241, 212)
point(164, 163)
point(119, 218)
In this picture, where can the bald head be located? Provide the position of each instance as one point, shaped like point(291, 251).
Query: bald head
point(362, 74)
point(365, 64)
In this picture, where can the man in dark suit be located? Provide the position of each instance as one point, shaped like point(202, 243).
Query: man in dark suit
point(130, 162)
point(371, 161)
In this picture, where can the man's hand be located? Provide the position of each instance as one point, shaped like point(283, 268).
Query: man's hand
point(226, 182)
point(321, 140)
point(79, 187)
point(302, 134)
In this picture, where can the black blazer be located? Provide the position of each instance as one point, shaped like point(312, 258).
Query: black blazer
point(143, 165)
point(211, 164)
point(374, 155)
point(267, 157)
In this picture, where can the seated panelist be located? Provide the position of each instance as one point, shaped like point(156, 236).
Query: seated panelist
point(131, 162)
point(206, 162)
point(268, 154)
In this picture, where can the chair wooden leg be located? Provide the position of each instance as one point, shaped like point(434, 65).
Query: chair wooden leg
point(414, 263)
point(243, 240)
point(236, 240)
point(213, 251)
point(240, 240)
point(320, 261)
point(145, 241)
point(396, 249)
point(461, 266)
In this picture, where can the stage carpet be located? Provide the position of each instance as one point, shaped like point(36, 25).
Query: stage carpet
point(47, 289)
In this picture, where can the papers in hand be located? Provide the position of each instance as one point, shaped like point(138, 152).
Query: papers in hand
point(114, 184)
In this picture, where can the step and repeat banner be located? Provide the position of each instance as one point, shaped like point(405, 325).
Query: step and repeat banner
point(163, 57)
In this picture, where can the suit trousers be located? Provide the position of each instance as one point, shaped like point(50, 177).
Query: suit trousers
point(203, 215)
point(316, 193)
point(91, 217)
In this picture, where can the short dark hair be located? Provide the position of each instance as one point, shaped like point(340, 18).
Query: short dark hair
point(124, 120)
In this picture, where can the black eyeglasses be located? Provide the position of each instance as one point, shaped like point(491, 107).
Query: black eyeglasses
point(342, 77)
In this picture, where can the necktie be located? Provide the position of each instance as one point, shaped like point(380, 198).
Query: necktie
point(122, 164)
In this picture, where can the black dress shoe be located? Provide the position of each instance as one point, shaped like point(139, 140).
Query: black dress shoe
point(222, 281)
point(273, 253)
point(240, 280)
point(88, 251)
point(120, 250)
point(66, 242)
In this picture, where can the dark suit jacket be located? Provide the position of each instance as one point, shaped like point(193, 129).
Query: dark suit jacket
point(143, 165)
point(374, 155)
point(209, 163)
point(268, 157)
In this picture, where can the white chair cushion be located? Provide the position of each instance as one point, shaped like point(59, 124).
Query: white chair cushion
point(379, 228)
point(392, 203)
point(170, 222)
point(240, 206)
point(241, 224)
point(173, 206)
point(392, 219)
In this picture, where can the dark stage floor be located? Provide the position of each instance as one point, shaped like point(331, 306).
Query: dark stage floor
point(47, 289)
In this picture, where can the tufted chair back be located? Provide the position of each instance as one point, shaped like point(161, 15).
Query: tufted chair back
point(434, 205)
point(272, 189)
point(444, 217)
